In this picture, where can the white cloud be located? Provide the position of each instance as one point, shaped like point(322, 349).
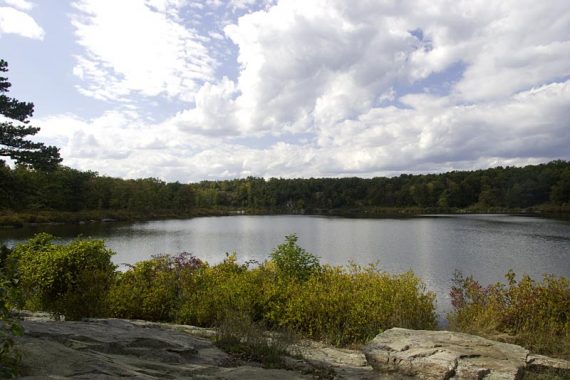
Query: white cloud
point(310, 62)
point(305, 65)
point(529, 127)
point(325, 88)
point(249, 4)
point(14, 21)
point(117, 143)
point(120, 144)
point(23, 5)
point(529, 124)
point(138, 47)
point(214, 113)
point(509, 56)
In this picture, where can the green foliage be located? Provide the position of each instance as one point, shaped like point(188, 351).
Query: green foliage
point(544, 187)
point(344, 306)
point(152, 289)
point(70, 280)
point(535, 314)
point(293, 261)
point(69, 190)
point(9, 326)
point(481, 190)
point(13, 137)
point(247, 340)
point(214, 293)
point(273, 292)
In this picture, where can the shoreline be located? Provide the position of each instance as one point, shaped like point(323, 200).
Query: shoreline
point(10, 219)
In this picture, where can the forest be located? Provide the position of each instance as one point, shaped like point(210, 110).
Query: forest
point(540, 188)
point(509, 188)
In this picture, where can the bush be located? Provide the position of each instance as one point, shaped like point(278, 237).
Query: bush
point(215, 293)
point(71, 280)
point(290, 291)
point(9, 326)
point(152, 289)
point(293, 261)
point(534, 314)
point(273, 292)
point(354, 304)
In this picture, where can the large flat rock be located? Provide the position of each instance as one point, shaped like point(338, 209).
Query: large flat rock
point(114, 348)
point(450, 355)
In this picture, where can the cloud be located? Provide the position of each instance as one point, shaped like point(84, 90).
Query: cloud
point(323, 88)
point(303, 63)
point(528, 124)
point(506, 56)
point(214, 113)
point(529, 127)
point(324, 68)
point(14, 21)
point(136, 47)
point(120, 144)
point(117, 143)
point(23, 5)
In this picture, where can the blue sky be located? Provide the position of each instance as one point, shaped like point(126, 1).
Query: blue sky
point(189, 90)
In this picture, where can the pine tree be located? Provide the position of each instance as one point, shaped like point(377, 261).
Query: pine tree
point(14, 130)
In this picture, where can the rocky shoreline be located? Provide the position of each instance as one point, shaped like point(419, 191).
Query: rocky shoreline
point(112, 348)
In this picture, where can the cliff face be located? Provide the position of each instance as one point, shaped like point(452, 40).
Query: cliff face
point(112, 348)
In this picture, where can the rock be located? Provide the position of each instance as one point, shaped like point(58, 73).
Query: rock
point(444, 355)
point(540, 363)
point(113, 348)
point(336, 362)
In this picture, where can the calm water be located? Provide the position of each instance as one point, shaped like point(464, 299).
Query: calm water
point(486, 246)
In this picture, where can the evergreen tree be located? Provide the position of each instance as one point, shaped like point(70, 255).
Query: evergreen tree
point(15, 129)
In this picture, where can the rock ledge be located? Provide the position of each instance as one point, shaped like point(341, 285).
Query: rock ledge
point(450, 355)
point(113, 348)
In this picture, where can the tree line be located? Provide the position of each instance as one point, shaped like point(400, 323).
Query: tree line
point(501, 187)
point(65, 189)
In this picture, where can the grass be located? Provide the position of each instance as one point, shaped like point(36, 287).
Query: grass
point(249, 341)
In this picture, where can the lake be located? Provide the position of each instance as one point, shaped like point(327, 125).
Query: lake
point(486, 246)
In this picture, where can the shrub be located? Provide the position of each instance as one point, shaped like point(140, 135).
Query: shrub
point(70, 280)
point(354, 304)
point(9, 326)
point(535, 314)
point(151, 289)
point(216, 292)
point(293, 261)
point(290, 291)
point(273, 292)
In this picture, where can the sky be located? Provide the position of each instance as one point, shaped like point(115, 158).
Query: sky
point(190, 90)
